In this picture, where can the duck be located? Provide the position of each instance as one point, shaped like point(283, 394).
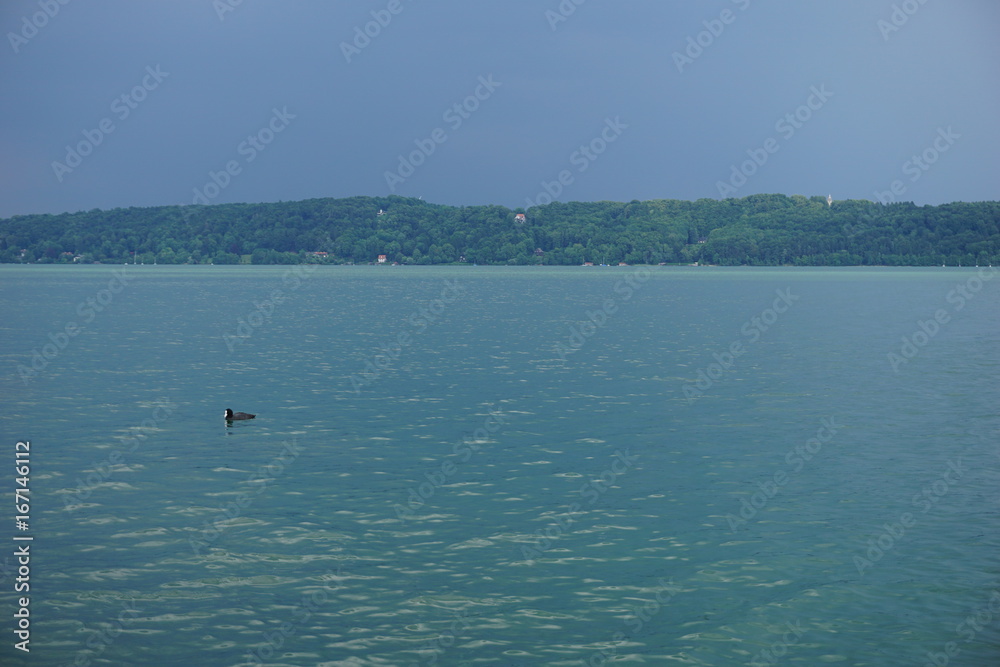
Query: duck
point(231, 416)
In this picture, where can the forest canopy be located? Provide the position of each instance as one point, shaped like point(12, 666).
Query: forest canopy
point(755, 230)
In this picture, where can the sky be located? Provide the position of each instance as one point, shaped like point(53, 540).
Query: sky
point(118, 103)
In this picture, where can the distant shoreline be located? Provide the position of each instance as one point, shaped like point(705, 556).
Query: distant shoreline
point(757, 230)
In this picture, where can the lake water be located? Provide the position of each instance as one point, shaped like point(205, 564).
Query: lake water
point(503, 466)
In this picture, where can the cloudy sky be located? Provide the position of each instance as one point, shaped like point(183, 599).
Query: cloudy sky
point(113, 103)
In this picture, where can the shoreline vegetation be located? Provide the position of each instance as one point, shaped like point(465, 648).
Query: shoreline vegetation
point(758, 230)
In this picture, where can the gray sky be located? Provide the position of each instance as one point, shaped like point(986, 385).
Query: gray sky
point(114, 103)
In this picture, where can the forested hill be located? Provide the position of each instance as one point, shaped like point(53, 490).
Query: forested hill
point(755, 230)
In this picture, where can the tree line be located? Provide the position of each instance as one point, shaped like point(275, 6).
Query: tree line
point(765, 229)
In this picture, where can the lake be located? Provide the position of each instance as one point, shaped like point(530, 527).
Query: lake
point(501, 465)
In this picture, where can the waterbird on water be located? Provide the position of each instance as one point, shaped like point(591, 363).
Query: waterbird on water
point(232, 416)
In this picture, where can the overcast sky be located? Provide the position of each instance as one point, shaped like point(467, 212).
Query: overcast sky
point(113, 103)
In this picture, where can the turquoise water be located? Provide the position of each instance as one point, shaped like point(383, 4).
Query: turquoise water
point(506, 466)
